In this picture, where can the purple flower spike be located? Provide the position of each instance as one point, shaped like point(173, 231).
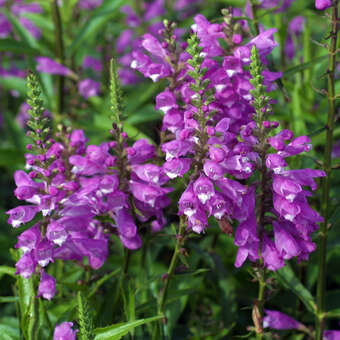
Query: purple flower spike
point(50, 66)
point(47, 286)
point(321, 5)
point(64, 331)
point(277, 320)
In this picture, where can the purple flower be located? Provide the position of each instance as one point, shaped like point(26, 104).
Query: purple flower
point(30, 27)
point(29, 239)
point(50, 66)
point(26, 265)
point(208, 34)
point(21, 215)
point(88, 88)
point(93, 63)
point(331, 335)
point(89, 4)
point(177, 167)
point(277, 320)
point(5, 26)
point(46, 286)
point(64, 331)
point(203, 189)
point(21, 8)
point(321, 5)
point(154, 9)
point(336, 150)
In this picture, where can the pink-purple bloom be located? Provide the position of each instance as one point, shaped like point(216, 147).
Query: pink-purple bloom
point(88, 88)
point(64, 331)
point(48, 65)
point(277, 320)
point(89, 4)
point(322, 5)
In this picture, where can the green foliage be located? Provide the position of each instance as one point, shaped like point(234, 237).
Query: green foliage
point(208, 298)
point(117, 331)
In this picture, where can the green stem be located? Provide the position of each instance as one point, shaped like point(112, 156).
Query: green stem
point(260, 304)
point(325, 203)
point(59, 49)
point(254, 13)
point(127, 258)
point(171, 270)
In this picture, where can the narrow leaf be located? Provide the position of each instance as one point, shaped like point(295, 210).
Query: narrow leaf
point(287, 278)
point(92, 26)
point(333, 314)
point(116, 332)
point(301, 67)
point(11, 45)
point(6, 270)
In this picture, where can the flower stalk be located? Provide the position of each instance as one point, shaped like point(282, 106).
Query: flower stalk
point(325, 200)
point(262, 108)
point(180, 240)
point(60, 53)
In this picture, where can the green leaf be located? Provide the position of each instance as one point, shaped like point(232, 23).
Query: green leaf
point(28, 307)
point(333, 314)
point(298, 121)
point(97, 20)
point(40, 21)
point(301, 67)
point(7, 299)
point(11, 45)
point(193, 272)
point(6, 270)
point(287, 278)
point(117, 331)
point(11, 157)
point(24, 35)
point(101, 281)
point(9, 328)
point(14, 83)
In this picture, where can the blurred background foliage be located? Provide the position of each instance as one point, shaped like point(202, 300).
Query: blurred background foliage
point(213, 299)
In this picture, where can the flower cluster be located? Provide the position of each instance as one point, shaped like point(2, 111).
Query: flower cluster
point(209, 120)
point(84, 194)
point(143, 19)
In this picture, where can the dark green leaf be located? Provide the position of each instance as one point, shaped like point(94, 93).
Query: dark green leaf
point(14, 83)
point(116, 332)
point(11, 45)
point(92, 26)
point(287, 278)
point(301, 67)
